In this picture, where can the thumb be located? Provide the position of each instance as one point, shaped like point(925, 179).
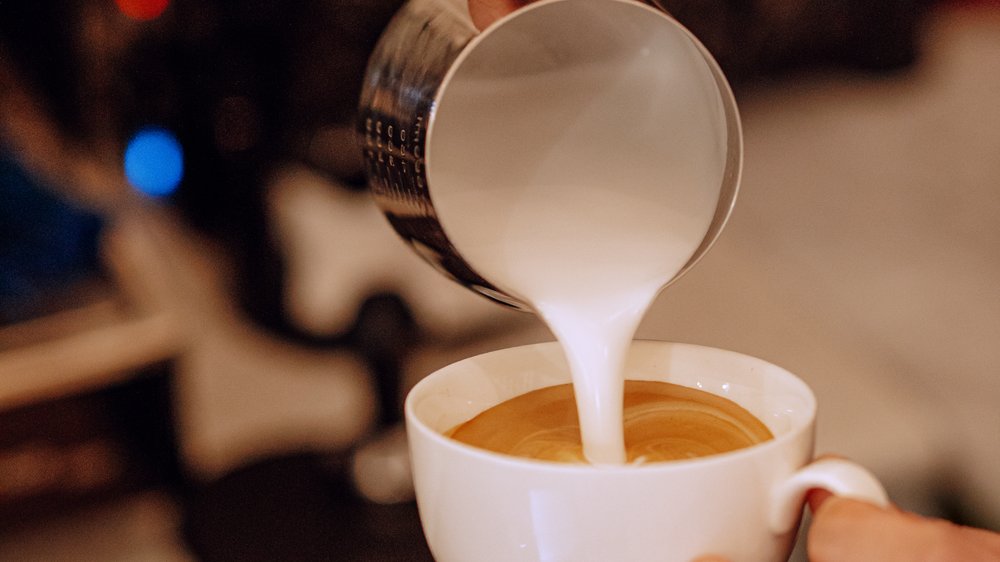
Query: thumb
point(844, 529)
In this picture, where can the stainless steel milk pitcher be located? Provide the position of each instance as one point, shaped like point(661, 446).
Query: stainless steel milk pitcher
point(431, 44)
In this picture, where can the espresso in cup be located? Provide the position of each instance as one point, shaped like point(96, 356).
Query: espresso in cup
point(662, 422)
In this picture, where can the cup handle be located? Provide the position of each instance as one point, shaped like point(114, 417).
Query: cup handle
point(841, 477)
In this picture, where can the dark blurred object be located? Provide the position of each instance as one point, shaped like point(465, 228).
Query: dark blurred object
point(69, 452)
point(48, 246)
point(384, 333)
point(245, 87)
point(297, 508)
point(41, 38)
point(249, 87)
point(758, 38)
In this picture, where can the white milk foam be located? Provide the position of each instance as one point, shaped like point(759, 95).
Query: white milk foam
point(582, 189)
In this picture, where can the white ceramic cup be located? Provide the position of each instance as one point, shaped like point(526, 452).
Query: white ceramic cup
point(745, 505)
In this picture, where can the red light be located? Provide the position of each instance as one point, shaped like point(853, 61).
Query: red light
point(143, 10)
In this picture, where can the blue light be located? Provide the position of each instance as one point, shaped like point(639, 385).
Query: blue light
point(154, 162)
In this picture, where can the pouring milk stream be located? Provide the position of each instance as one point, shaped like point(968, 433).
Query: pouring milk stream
point(577, 160)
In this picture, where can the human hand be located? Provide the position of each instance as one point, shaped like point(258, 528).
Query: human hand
point(485, 12)
point(844, 529)
point(849, 530)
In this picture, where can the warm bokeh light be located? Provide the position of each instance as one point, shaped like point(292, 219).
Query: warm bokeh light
point(143, 10)
point(154, 162)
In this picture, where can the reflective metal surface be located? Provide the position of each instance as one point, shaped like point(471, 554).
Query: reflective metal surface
point(402, 84)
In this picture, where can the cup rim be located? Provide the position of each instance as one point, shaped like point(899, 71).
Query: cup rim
point(415, 424)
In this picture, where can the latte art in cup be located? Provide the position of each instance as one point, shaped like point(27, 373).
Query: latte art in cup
point(662, 422)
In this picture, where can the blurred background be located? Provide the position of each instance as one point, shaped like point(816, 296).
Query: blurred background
point(206, 328)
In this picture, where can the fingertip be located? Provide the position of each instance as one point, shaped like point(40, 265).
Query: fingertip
point(817, 497)
point(849, 529)
point(485, 12)
point(842, 507)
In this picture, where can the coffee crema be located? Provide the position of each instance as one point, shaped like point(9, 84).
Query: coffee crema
point(662, 422)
